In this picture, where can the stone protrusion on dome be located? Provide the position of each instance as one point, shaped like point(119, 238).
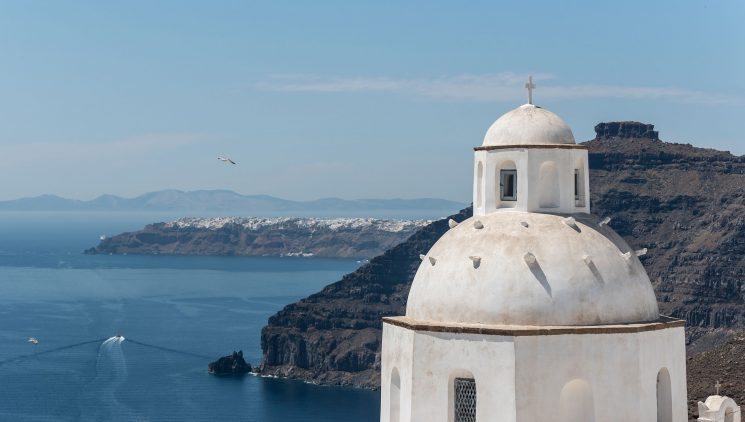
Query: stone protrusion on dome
point(611, 287)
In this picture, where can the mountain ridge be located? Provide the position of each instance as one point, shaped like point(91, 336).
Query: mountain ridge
point(220, 200)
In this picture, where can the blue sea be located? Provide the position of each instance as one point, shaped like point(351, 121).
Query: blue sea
point(176, 314)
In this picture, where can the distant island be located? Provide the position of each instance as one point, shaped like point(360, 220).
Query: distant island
point(232, 202)
point(250, 236)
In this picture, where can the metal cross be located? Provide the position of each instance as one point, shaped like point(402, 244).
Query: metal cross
point(531, 86)
point(717, 386)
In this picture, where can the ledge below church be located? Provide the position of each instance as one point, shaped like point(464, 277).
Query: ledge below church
point(663, 323)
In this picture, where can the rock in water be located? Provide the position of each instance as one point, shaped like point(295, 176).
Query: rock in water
point(230, 365)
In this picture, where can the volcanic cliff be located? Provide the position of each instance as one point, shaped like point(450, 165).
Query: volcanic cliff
point(252, 236)
point(685, 204)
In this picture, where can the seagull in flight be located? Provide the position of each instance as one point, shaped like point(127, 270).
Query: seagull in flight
point(33, 340)
point(226, 160)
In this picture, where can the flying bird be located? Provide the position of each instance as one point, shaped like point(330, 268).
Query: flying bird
point(33, 340)
point(226, 160)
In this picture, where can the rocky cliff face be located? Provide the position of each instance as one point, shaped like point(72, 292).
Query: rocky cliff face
point(684, 204)
point(625, 130)
point(280, 236)
point(724, 364)
point(333, 337)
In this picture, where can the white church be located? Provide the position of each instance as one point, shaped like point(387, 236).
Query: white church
point(534, 309)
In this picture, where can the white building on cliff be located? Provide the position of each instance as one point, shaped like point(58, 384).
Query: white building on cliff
point(533, 309)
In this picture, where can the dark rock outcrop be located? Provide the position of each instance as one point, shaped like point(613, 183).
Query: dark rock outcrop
point(333, 337)
point(232, 364)
point(625, 130)
point(685, 204)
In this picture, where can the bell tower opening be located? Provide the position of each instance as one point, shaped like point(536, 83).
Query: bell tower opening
point(579, 184)
point(508, 185)
point(479, 185)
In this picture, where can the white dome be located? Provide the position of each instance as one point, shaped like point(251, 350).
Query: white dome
point(529, 125)
point(580, 276)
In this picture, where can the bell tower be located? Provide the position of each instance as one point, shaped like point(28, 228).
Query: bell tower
point(529, 161)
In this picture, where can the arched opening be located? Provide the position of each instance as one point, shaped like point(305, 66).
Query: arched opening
point(395, 398)
point(576, 403)
point(506, 188)
point(729, 415)
point(664, 397)
point(479, 185)
point(579, 184)
point(549, 195)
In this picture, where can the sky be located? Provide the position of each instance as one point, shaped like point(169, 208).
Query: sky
point(362, 99)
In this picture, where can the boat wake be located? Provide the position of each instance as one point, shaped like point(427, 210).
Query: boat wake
point(100, 398)
point(100, 401)
point(44, 352)
point(168, 349)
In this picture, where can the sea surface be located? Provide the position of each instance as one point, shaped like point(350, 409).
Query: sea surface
point(176, 314)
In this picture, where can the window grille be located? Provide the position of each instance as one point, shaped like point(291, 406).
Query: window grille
point(465, 400)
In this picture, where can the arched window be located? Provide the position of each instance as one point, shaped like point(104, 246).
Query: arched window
point(579, 184)
point(729, 415)
point(464, 400)
point(549, 195)
point(576, 403)
point(479, 185)
point(506, 186)
point(395, 398)
point(664, 397)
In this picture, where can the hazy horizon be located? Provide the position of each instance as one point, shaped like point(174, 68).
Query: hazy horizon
point(232, 191)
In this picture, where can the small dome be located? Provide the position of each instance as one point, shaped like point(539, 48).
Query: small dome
point(529, 125)
point(518, 268)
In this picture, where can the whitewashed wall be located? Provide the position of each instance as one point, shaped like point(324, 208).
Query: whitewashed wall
point(521, 378)
point(528, 162)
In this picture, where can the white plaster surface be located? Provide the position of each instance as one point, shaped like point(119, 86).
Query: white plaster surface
point(559, 289)
point(621, 370)
point(531, 187)
point(433, 360)
point(522, 378)
point(529, 125)
point(535, 269)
